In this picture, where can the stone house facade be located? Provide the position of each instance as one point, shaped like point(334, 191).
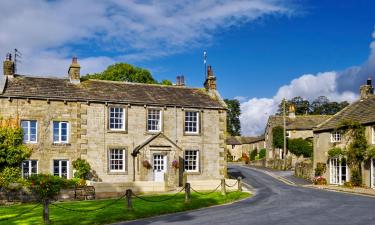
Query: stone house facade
point(327, 136)
point(296, 127)
point(127, 131)
point(239, 145)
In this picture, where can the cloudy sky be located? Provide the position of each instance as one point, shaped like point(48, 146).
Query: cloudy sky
point(260, 50)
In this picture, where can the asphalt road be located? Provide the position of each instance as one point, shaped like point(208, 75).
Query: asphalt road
point(278, 203)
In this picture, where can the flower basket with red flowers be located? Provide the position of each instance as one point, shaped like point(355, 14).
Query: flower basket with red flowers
point(146, 164)
point(175, 164)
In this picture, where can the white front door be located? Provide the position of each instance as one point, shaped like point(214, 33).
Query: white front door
point(338, 171)
point(160, 167)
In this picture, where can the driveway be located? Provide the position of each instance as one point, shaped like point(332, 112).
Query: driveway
point(278, 203)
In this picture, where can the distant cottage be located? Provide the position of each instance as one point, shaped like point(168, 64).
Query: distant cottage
point(118, 127)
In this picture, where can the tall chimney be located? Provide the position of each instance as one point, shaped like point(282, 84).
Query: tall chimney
point(74, 71)
point(8, 65)
point(292, 112)
point(210, 83)
point(367, 89)
point(182, 80)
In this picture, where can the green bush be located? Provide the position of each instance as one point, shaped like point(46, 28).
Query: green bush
point(300, 147)
point(253, 154)
point(278, 137)
point(355, 177)
point(262, 153)
point(320, 169)
point(82, 168)
point(336, 151)
point(47, 186)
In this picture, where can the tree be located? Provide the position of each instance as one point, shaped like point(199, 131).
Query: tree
point(233, 117)
point(125, 72)
point(278, 137)
point(300, 146)
point(12, 149)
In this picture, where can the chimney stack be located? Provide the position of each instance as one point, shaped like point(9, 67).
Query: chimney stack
point(180, 80)
point(210, 83)
point(292, 112)
point(74, 71)
point(367, 90)
point(8, 65)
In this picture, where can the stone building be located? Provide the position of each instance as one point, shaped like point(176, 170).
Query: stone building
point(296, 127)
point(239, 145)
point(128, 132)
point(327, 136)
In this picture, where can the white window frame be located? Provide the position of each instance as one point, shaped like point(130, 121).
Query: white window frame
point(372, 176)
point(373, 135)
point(60, 167)
point(197, 124)
point(30, 167)
point(186, 161)
point(160, 120)
point(123, 119)
point(336, 137)
point(287, 133)
point(59, 134)
point(28, 134)
point(110, 160)
point(333, 175)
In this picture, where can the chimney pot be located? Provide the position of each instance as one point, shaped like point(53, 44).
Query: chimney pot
point(210, 83)
point(367, 90)
point(369, 81)
point(8, 65)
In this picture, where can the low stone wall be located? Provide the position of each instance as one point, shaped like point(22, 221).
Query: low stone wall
point(259, 162)
point(210, 185)
point(304, 170)
point(280, 164)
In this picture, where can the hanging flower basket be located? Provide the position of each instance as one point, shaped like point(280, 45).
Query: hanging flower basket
point(146, 164)
point(175, 164)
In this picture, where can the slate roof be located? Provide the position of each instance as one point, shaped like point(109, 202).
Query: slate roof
point(239, 140)
point(109, 91)
point(305, 122)
point(362, 111)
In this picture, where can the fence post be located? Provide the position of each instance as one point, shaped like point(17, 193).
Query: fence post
point(187, 193)
point(239, 183)
point(223, 191)
point(128, 195)
point(46, 211)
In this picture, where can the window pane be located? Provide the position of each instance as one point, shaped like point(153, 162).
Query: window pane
point(116, 118)
point(153, 120)
point(191, 122)
point(56, 131)
point(56, 166)
point(116, 160)
point(25, 168)
point(34, 166)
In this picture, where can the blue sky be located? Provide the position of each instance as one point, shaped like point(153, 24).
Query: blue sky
point(261, 50)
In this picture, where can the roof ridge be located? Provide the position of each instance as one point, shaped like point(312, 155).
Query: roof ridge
point(144, 84)
point(338, 114)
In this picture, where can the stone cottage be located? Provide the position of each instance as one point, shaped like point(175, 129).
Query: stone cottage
point(327, 136)
point(296, 127)
point(128, 132)
point(239, 145)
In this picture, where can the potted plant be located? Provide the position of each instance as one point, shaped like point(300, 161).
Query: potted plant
point(146, 164)
point(175, 164)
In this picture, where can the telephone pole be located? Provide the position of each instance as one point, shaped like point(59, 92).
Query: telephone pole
point(284, 132)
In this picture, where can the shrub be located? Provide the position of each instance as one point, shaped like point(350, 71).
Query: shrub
point(335, 152)
point(300, 146)
point(348, 184)
point(355, 177)
point(82, 167)
point(320, 180)
point(47, 186)
point(262, 153)
point(253, 154)
point(278, 137)
point(320, 169)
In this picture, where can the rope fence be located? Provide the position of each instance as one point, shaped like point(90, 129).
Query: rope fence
point(21, 213)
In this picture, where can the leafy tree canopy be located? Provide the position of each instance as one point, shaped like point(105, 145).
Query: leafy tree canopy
point(125, 72)
point(320, 106)
point(278, 137)
point(300, 147)
point(233, 117)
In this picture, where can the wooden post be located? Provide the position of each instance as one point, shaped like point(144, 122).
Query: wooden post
point(129, 202)
point(239, 180)
point(223, 191)
point(187, 193)
point(46, 211)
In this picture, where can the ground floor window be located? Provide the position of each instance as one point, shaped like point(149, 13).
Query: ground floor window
point(338, 171)
point(61, 168)
point(191, 161)
point(29, 167)
point(117, 160)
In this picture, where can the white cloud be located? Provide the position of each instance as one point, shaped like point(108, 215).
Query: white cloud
point(129, 29)
point(336, 85)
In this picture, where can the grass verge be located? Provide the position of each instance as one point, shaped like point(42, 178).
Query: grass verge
point(116, 212)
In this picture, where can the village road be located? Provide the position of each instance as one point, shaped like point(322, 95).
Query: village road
point(277, 203)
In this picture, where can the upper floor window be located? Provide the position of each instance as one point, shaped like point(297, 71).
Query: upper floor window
point(191, 161)
point(61, 168)
point(60, 132)
point(116, 160)
point(116, 118)
point(154, 120)
point(191, 122)
point(30, 131)
point(29, 167)
point(335, 136)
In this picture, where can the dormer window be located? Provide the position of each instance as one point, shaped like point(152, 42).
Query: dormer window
point(335, 137)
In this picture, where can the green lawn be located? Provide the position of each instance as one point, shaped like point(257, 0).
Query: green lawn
point(117, 211)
